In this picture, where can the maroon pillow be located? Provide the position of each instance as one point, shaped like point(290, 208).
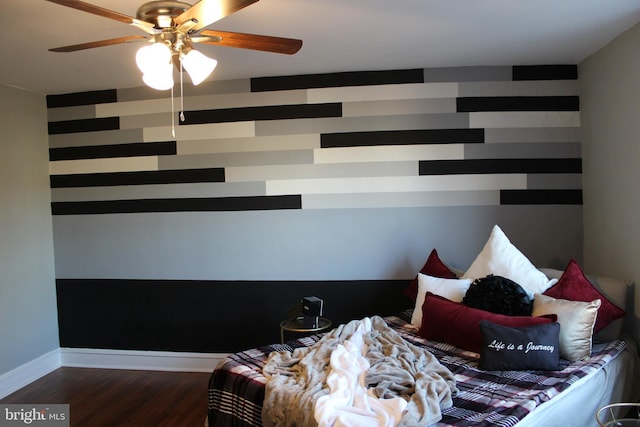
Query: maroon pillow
point(574, 286)
point(433, 267)
point(456, 324)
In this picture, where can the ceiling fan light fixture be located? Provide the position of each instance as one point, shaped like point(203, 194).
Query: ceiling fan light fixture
point(153, 56)
point(198, 65)
point(159, 78)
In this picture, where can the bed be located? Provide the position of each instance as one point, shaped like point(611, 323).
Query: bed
point(569, 394)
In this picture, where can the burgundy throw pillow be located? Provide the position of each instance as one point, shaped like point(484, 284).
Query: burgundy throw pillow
point(574, 286)
point(456, 324)
point(432, 267)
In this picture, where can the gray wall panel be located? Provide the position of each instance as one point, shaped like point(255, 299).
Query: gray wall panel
point(467, 74)
point(355, 124)
point(407, 199)
point(71, 113)
point(193, 161)
point(263, 173)
point(164, 191)
point(208, 87)
point(522, 150)
point(340, 244)
point(558, 181)
point(520, 88)
point(95, 138)
point(399, 107)
point(28, 315)
point(146, 120)
point(540, 134)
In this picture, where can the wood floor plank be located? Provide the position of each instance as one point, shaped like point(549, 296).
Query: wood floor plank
point(122, 398)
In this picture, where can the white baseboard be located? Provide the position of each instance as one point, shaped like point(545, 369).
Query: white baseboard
point(140, 360)
point(15, 379)
point(23, 375)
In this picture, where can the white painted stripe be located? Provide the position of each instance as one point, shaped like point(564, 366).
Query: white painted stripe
point(205, 102)
point(241, 145)
point(398, 184)
point(133, 108)
point(389, 153)
point(142, 360)
point(205, 131)
point(520, 119)
point(328, 170)
point(119, 164)
point(401, 199)
point(384, 92)
point(25, 374)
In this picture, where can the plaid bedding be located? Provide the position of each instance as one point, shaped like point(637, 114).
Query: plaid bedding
point(501, 399)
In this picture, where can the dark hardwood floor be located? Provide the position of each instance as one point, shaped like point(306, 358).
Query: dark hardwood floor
point(119, 398)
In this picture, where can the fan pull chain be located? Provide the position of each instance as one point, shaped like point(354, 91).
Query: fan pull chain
point(173, 124)
point(181, 95)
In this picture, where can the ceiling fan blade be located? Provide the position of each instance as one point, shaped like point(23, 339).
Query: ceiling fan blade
point(250, 41)
point(106, 13)
point(100, 43)
point(206, 12)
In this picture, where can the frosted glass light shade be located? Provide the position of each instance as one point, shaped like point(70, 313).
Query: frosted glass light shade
point(151, 56)
point(198, 66)
point(160, 78)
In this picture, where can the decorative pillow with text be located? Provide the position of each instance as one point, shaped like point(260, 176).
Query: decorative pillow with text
point(525, 348)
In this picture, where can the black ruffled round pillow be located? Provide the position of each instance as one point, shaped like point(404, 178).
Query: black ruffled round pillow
point(499, 295)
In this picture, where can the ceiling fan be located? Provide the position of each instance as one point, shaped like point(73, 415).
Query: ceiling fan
point(172, 28)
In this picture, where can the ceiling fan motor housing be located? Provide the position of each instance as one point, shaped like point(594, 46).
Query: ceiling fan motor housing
point(161, 13)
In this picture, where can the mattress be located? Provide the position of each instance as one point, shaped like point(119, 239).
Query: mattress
point(499, 398)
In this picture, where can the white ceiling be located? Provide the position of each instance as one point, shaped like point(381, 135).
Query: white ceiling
point(338, 35)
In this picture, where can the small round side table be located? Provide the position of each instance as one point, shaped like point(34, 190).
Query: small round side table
point(300, 324)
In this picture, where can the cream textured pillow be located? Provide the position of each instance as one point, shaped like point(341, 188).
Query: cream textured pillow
point(501, 258)
point(576, 320)
point(451, 289)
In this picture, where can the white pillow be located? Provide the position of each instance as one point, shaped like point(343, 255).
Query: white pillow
point(576, 320)
point(501, 258)
point(451, 289)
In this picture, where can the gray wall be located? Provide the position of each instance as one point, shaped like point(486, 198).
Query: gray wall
point(28, 320)
point(610, 86)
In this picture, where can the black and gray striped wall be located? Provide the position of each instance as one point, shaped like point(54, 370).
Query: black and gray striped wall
point(275, 187)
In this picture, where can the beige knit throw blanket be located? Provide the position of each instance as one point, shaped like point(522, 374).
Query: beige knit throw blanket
point(395, 368)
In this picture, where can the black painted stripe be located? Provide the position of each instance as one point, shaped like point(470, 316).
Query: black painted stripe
point(545, 72)
point(114, 150)
point(354, 78)
point(178, 205)
point(485, 166)
point(138, 178)
point(194, 315)
point(402, 137)
point(518, 103)
point(82, 98)
point(271, 112)
point(540, 197)
point(84, 125)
